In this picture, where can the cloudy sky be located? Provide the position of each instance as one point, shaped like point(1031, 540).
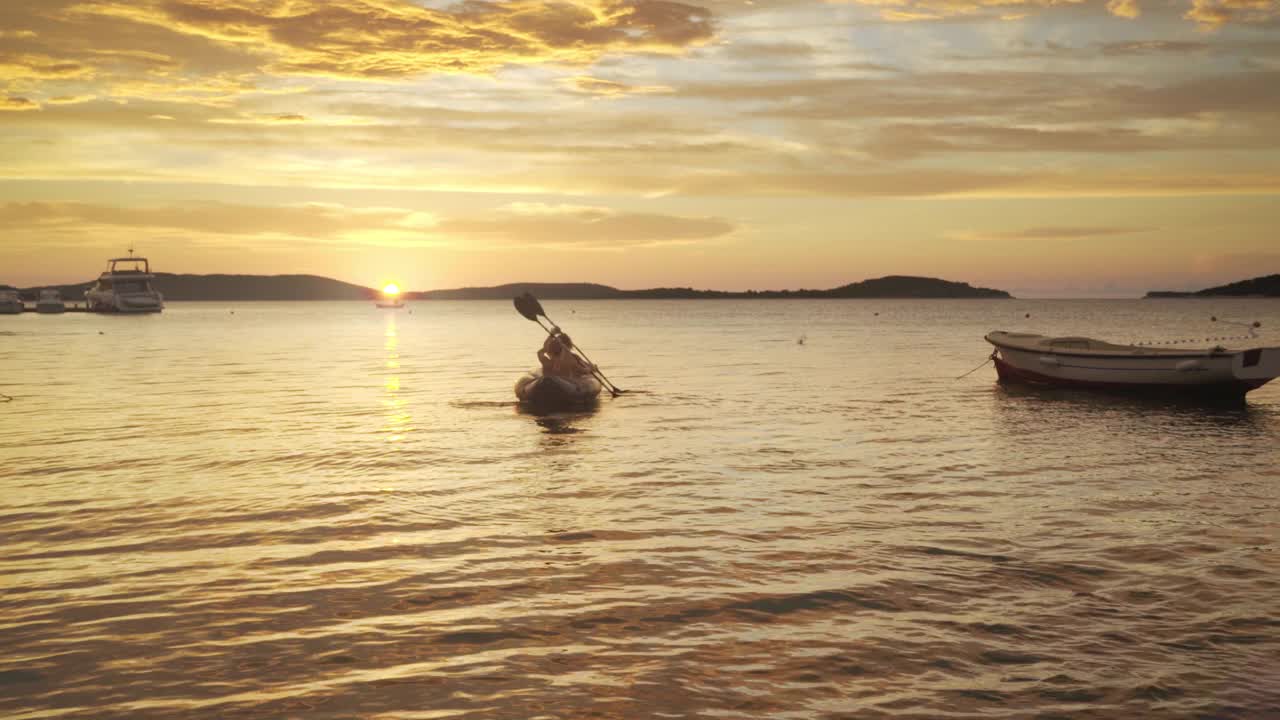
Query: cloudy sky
point(1049, 147)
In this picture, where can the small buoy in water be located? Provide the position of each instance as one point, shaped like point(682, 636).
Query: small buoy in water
point(800, 340)
point(1028, 315)
point(877, 314)
point(101, 333)
point(233, 312)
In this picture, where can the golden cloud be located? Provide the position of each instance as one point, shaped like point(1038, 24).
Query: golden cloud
point(393, 39)
point(70, 99)
point(610, 88)
point(549, 226)
point(1211, 14)
point(311, 220)
point(1048, 233)
point(934, 182)
point(582, 227)
point(1123, 8)
point(36, 66)
point(284, 118)
point(18, 104)
point(1207, 13)
point(905, 11)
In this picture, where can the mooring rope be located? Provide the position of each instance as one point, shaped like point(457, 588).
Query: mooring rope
point(990, 357)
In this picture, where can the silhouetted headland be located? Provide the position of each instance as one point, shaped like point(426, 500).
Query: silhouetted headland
point(1265, 286)
point(314, 287)
point(235, 287)
point(893, 286)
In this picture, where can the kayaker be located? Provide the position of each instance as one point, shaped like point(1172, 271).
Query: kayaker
point(557, 360)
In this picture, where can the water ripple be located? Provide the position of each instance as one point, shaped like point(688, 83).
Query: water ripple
point(321, 511)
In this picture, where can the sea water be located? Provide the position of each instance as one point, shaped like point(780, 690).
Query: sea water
point(326, 510)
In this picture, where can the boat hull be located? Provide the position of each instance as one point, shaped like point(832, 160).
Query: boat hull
point(107, 302)
point(1214, 372)
point(1226, 388)
point(536, 391)
point(51, 308)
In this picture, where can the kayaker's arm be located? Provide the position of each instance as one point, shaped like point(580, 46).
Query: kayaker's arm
point(585, 366)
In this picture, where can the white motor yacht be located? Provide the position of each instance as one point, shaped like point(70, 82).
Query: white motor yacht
point(50, 301)
point(10, 302)
point(125, 288)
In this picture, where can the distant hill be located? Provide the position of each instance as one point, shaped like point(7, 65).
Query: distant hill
point(313, 287)
point(258, 287)
point(234, 287)
point(893, 286)
point(551, 291)
point(905, 286)
point(1265, 286)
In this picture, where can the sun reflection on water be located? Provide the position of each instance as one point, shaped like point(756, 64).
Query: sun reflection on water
point(398, 420)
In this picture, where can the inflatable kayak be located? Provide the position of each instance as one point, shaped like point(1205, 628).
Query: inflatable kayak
point(551, 393)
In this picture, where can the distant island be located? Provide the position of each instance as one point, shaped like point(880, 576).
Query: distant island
point(893, 286)
point(314, 287)
point(1265, 286)
point(232, 288)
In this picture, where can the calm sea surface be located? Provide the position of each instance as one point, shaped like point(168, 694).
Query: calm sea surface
point(323, 510)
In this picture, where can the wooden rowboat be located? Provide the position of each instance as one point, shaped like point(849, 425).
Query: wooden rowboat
point(1086, 362)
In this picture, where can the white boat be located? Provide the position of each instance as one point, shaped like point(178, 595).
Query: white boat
point(1085, 362)
point(50, 301)
point(10, 302)
point(125, 288)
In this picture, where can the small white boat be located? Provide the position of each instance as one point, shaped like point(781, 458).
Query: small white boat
point(534, 390)
point(50, 302)
point(1084, 362)
point(125, 287)
point(10, 302)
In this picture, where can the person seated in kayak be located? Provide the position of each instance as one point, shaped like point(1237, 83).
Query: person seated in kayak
point(558, 361)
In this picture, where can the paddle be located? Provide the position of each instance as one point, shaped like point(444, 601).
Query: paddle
point(528, 306)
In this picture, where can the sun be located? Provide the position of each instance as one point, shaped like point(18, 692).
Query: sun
point(391, 289)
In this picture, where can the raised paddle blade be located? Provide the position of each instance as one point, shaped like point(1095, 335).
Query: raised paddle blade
point(534, 305)
point(524, 308)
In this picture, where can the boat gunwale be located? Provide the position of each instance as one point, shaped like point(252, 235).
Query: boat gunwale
point(1138, 352)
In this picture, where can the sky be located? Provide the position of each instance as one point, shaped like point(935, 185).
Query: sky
point(1048, 147)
